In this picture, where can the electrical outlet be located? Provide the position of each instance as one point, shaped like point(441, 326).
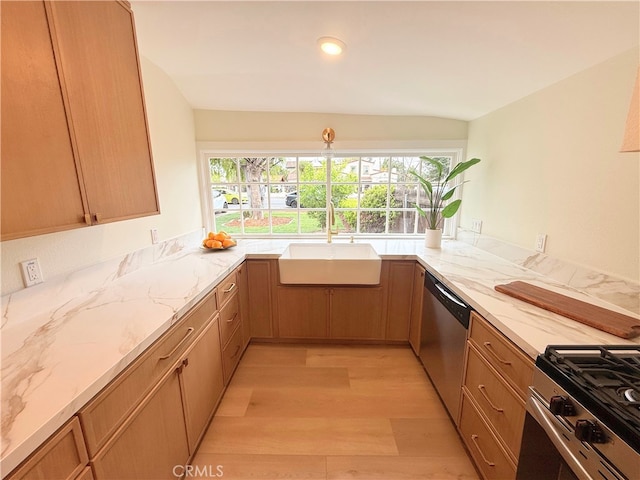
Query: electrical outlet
point(476, 225)
point(541, 242)
point(31, 273)
point(154, 236)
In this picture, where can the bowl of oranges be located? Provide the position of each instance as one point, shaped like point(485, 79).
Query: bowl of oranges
point(218, 241)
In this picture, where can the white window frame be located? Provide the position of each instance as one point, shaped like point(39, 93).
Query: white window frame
point(207, 150)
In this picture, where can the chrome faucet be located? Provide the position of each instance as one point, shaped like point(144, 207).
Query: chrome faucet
point(331, 220)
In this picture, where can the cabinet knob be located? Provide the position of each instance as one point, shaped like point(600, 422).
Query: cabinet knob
point(97, 217)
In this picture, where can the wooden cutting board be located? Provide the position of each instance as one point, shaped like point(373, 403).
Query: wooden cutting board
point(608, 321)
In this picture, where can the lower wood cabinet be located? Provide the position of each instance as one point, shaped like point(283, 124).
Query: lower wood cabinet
point(304, 312)
point(152, 441)
point(261, 278)
point(356, 313)
point(399, 293)
point(493, 406)
point(485, 448)
point(415, 323)
point(63, 456)
point(201, 382)
point(332, 312)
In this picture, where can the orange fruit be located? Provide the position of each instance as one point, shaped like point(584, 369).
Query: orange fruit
point(227, 242)
point(224, 234)
point(216, 244)
point(209, 243)
point(220, 236)
point(210, 235)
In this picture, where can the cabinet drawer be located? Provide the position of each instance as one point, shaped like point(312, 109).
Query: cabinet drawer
point(106, 412)
point(229, 319)
point(63, 456)
point(496, 400)
point(485, 449)
point(231, 355)
point(507, 359)
point(227, 288)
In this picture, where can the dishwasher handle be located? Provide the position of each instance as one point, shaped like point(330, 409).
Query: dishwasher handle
point(450, 296)
point(449, 300)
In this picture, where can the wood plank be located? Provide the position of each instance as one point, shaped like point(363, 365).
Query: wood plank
point(340, 403)
point(399, 468)
point(274, 354)
point(609, 321)
point(263, 467)
point(427, 437)
point(300, 436)
point(280, 377)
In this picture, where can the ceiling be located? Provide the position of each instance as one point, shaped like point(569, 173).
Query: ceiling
point(450, 59)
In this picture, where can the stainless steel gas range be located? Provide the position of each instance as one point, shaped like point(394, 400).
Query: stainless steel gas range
point(583, 415)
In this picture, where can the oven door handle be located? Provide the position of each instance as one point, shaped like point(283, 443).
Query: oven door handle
point(541, 414)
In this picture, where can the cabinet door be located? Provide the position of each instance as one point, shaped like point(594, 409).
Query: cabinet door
point(62, 456)
point(201, 378)
point(259, 273)
point(399, 294)
point(302, 312)
point(243, 297)
point(101, 77)
point(40, 188)
point(356, 313)
point(152, 442)
point(416, 308)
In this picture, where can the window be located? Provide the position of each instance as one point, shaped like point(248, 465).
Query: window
point(287, 195)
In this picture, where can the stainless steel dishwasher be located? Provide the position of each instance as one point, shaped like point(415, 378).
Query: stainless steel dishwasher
point(445, 321)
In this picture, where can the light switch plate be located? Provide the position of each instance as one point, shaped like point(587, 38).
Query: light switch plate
point(476, 225)
point(154, 236)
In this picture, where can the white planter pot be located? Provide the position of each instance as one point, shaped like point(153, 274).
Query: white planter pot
point(433, 238)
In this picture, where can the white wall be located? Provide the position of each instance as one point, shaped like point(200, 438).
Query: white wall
point(238, 127)
point(551, 164)
point(172, 141)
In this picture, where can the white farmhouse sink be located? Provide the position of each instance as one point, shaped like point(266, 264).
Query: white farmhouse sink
point(330, 264)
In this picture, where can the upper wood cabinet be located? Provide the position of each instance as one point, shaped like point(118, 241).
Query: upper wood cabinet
point(75, 143)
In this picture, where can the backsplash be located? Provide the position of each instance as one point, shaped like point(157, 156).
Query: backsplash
point(621, 292)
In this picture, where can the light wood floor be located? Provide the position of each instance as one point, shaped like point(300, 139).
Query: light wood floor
point(332, 412)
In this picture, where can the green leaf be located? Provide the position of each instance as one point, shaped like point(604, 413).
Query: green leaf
point(451, 209)
point(461, 167)
point(421, 211)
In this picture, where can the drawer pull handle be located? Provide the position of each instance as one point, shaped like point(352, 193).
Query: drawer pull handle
point(190, 330)
point(474, 439)
point(489, 348)
point(233, 319)
point(486, 397)
point(231, 287)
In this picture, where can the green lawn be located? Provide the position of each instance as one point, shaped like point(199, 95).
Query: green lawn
point(308, 223)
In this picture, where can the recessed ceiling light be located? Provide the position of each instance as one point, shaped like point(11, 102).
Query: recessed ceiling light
point(331, 45)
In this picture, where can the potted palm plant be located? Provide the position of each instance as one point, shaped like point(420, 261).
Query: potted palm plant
point(438, 191)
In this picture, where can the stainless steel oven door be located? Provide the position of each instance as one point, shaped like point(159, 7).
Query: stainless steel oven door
point(551, 451)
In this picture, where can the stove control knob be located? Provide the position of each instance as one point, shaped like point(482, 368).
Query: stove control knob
point(588, 431)
point(560, 405)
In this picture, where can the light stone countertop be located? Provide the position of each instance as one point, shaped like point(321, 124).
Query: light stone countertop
point(63, 341)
